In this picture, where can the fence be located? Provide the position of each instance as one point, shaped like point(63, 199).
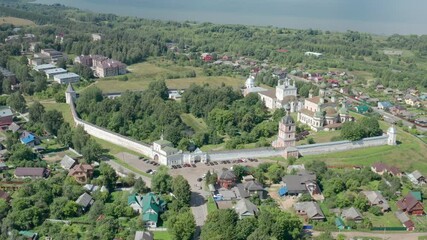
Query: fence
point(388, 229)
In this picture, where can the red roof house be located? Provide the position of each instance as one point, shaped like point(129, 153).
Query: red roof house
point(411, 205)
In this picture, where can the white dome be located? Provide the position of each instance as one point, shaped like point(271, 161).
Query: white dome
point(250, 82)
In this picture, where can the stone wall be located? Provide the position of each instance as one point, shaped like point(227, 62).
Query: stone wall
point(322, 148)
point(244, 153)
point(145, 149)
point(110, 136)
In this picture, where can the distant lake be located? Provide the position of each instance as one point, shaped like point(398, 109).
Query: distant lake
point(373, 16)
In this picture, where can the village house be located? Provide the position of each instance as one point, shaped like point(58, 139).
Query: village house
point(417, 178)
point(245, 208)
point(85, 201)
point(31, 172)
point(381, 168)
point(311, 210)
point(227, 179)
point(8, 75)
point(384, 105)
point(14, 127)
point(255, 188)
point(379, 88)
point(405, 220)
point(412, 100)
point(321, 113)
point(409, 204)
point(6, 117)
point(388, 91)
point(29, 139)
point(303, 182)
point(96, 37)
point(143, 235)
point(67, 162)
point(3, 166)
point(397, 110)
point(375, 198)
point(28, 37)
point(352, 214)
point(81, 172)
point(150, 206)
point(207, 57)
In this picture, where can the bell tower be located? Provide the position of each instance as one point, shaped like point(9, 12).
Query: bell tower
point(287, 128)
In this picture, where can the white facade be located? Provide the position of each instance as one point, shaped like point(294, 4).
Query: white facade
point(285, 93)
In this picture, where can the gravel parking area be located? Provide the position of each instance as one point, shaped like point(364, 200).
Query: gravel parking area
point(136, 162)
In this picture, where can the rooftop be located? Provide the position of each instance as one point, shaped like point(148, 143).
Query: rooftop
point(66, 75)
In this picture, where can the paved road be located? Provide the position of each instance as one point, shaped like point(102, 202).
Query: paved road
point(121, 169)
point(395, 118)
point(387, 235)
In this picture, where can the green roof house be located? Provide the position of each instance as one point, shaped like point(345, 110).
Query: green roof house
point(149, 206)
point(362, 109)
point(28, 234)
point(417, 196)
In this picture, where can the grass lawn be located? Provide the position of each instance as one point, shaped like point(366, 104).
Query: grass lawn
point(16, 21)
point(162, 235)
point(64, 108)
point(211, 205)
point(320, 137)
point(141, 74)
point(409, 154)
point(387, 220)
point(197, 124)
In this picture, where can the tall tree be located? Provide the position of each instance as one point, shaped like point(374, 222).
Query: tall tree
point(17, 102)
point(161, 181)
point(220, 224)
point(52, 121)
point(182, 225)
point(182, 190)
point(36, 111)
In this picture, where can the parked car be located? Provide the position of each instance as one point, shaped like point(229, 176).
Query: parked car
point(193, 165)
point(149, 171)
point(199, 179)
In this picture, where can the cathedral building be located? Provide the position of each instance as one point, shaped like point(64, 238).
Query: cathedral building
point(322, 113)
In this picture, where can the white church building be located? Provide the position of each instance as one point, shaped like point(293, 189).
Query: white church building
point(285, 93)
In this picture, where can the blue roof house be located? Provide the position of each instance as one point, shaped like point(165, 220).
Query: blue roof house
point(29, 139)
point(384, 105)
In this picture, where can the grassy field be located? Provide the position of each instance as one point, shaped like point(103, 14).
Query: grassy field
point(142, 74)
point(162, 235)
point(16, 21)
point(197, 124)
point(320, 137)
point(64, 108)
